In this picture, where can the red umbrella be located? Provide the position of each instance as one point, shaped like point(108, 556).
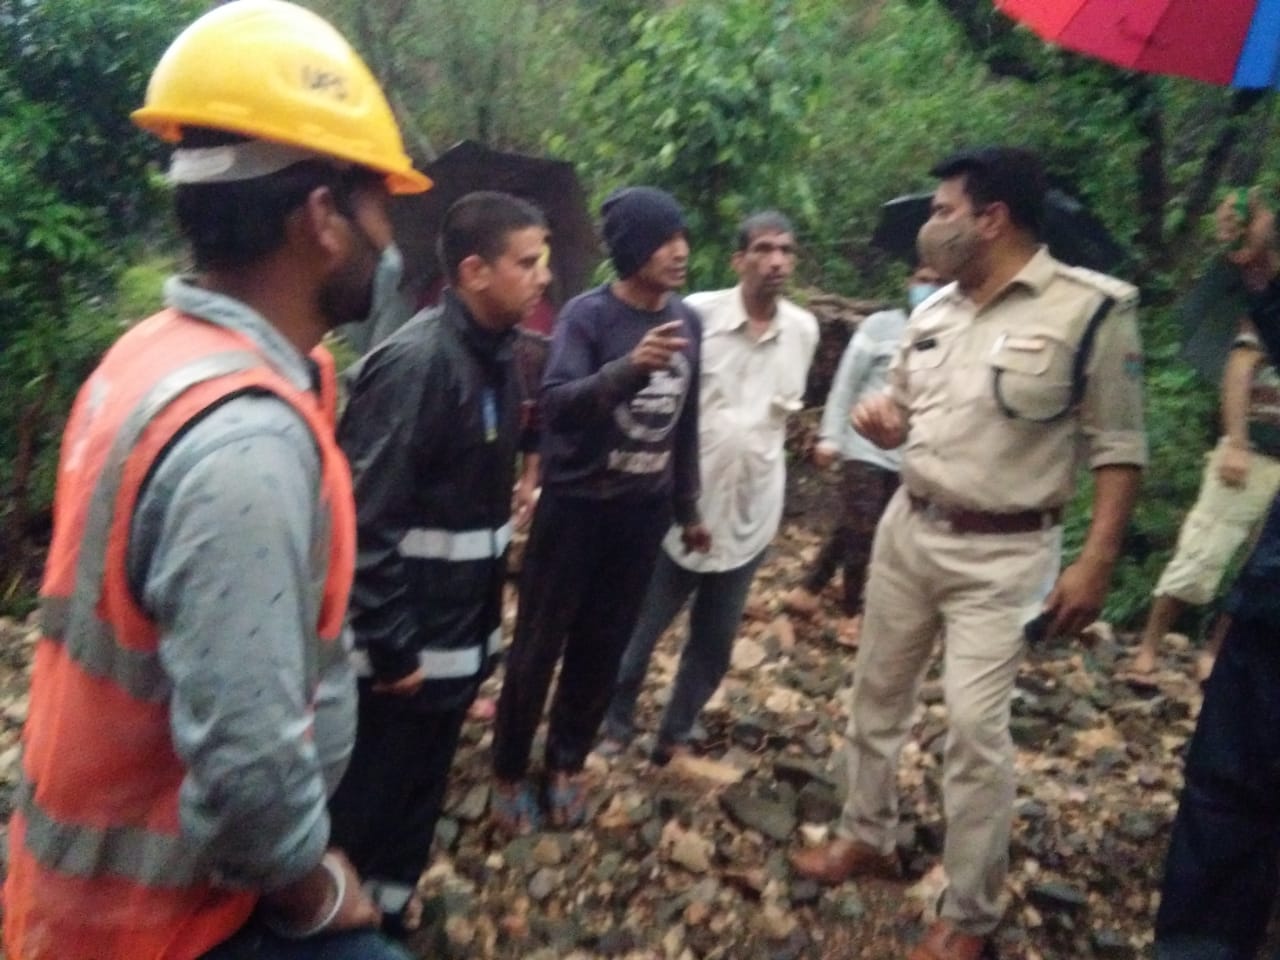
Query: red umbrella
point(1229, 42)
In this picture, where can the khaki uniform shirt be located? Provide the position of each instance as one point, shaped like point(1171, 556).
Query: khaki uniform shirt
point(973, 383)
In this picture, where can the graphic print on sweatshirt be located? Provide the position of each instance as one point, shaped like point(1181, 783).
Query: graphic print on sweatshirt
point(646, 420)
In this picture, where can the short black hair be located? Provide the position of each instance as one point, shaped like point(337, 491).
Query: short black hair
point(1009, 175)
point(479, 224)
point(765, 221)
point(231, 225)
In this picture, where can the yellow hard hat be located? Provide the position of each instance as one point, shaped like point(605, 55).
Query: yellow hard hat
point(271, 70)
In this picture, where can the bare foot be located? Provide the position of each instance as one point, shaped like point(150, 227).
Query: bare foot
point(801, 602)
point(849, 631)
point(1143, 663)
point(1204, 666)
point(610, 748)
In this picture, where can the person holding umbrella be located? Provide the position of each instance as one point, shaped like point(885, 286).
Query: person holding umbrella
point(1220, 877)
point(1006, 382)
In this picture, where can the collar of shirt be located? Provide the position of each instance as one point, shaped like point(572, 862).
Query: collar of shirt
point(489, 345)
point(1034, 276)
point(728, 314)
point(182, 294)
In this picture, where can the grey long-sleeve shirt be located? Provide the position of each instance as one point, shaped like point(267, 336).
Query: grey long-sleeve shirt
point(863, 371)
point(221, 557)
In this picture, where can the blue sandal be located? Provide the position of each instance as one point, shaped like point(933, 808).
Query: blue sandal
point(566, 802)
point(515, 814)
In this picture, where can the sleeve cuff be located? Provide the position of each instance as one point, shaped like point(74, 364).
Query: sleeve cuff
point(1118, 449)
point(686, 511)
point(391, 665)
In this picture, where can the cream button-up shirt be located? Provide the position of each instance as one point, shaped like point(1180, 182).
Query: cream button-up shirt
point(978, 385)
point(748, 389)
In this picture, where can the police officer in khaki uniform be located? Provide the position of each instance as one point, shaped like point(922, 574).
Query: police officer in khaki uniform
point(1007, 380)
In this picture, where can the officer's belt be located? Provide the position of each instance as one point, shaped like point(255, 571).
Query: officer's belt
point(962, 520)
point(458, 546)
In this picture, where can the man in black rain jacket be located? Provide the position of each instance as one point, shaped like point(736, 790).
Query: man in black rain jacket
point(432, 429)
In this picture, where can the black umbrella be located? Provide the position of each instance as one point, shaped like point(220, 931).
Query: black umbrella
point(550, 184)
point(1073, 234)
point(1211, 313)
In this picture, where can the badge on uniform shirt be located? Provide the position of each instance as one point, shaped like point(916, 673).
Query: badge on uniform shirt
point(489, 405)
point(1020, 344)
point(1133, 365)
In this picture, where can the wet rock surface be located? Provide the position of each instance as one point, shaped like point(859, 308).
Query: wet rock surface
point(688, 861)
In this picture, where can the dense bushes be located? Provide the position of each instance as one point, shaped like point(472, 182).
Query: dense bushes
point(821, 107)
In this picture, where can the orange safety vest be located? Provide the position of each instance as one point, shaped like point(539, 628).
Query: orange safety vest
point(98, 866)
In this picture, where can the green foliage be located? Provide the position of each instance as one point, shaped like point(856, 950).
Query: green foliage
point(822, 108)
point(711, 102)
point(72, 183)
point(487, 70)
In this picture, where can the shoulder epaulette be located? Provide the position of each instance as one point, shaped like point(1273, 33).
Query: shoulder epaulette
point(1121, 292)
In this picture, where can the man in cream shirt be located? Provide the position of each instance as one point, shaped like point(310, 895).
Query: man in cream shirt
point(757, 347)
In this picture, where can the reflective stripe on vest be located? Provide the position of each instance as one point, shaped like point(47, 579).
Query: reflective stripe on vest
point(153, 859)
point(425, 543)
point(442, 664)
point(95, 649)
point(88, 640)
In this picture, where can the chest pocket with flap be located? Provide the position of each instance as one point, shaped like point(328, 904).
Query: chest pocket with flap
point(1037, 377)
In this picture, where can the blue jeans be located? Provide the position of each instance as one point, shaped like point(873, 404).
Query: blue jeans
point(718, 601)
point(256, 942)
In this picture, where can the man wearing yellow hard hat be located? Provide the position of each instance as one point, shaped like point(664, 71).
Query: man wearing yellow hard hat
point(192, 704)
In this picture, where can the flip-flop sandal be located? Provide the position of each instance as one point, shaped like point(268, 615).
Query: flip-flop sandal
point(566, 803)
point(610, 748)
point(401, 924)
point(515, 815)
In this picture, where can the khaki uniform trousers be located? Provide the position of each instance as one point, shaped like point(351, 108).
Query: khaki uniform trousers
point(977, 590)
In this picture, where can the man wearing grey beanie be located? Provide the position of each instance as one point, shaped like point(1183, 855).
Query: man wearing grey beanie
point(619, 462)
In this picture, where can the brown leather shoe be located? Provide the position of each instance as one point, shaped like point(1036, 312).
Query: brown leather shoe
point(837, 861)
point(944, 942)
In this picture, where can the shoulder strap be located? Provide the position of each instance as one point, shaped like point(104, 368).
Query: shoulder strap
point(1080, 365)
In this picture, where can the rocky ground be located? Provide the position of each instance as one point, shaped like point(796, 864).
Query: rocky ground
point(690, 861)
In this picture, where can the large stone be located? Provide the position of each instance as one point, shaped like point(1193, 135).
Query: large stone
point(747, 655)
point(1058, 898)
point(817, 803)
point(770, 817)
point(1138, 826)
point(473, 804)
point(1031, 733)
point(544, 882)
point(800, 771)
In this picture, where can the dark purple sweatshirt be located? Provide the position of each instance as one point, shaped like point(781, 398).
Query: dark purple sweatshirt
point(612, 431)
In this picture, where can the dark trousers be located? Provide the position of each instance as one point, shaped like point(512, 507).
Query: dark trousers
point(384, 811)
point(718, 601)
point(1221, 873)
point(586, 567)
point(865, 490)
point(255, 942)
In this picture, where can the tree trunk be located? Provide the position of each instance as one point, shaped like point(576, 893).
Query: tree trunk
point(1153, 187)
point(31, 423)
